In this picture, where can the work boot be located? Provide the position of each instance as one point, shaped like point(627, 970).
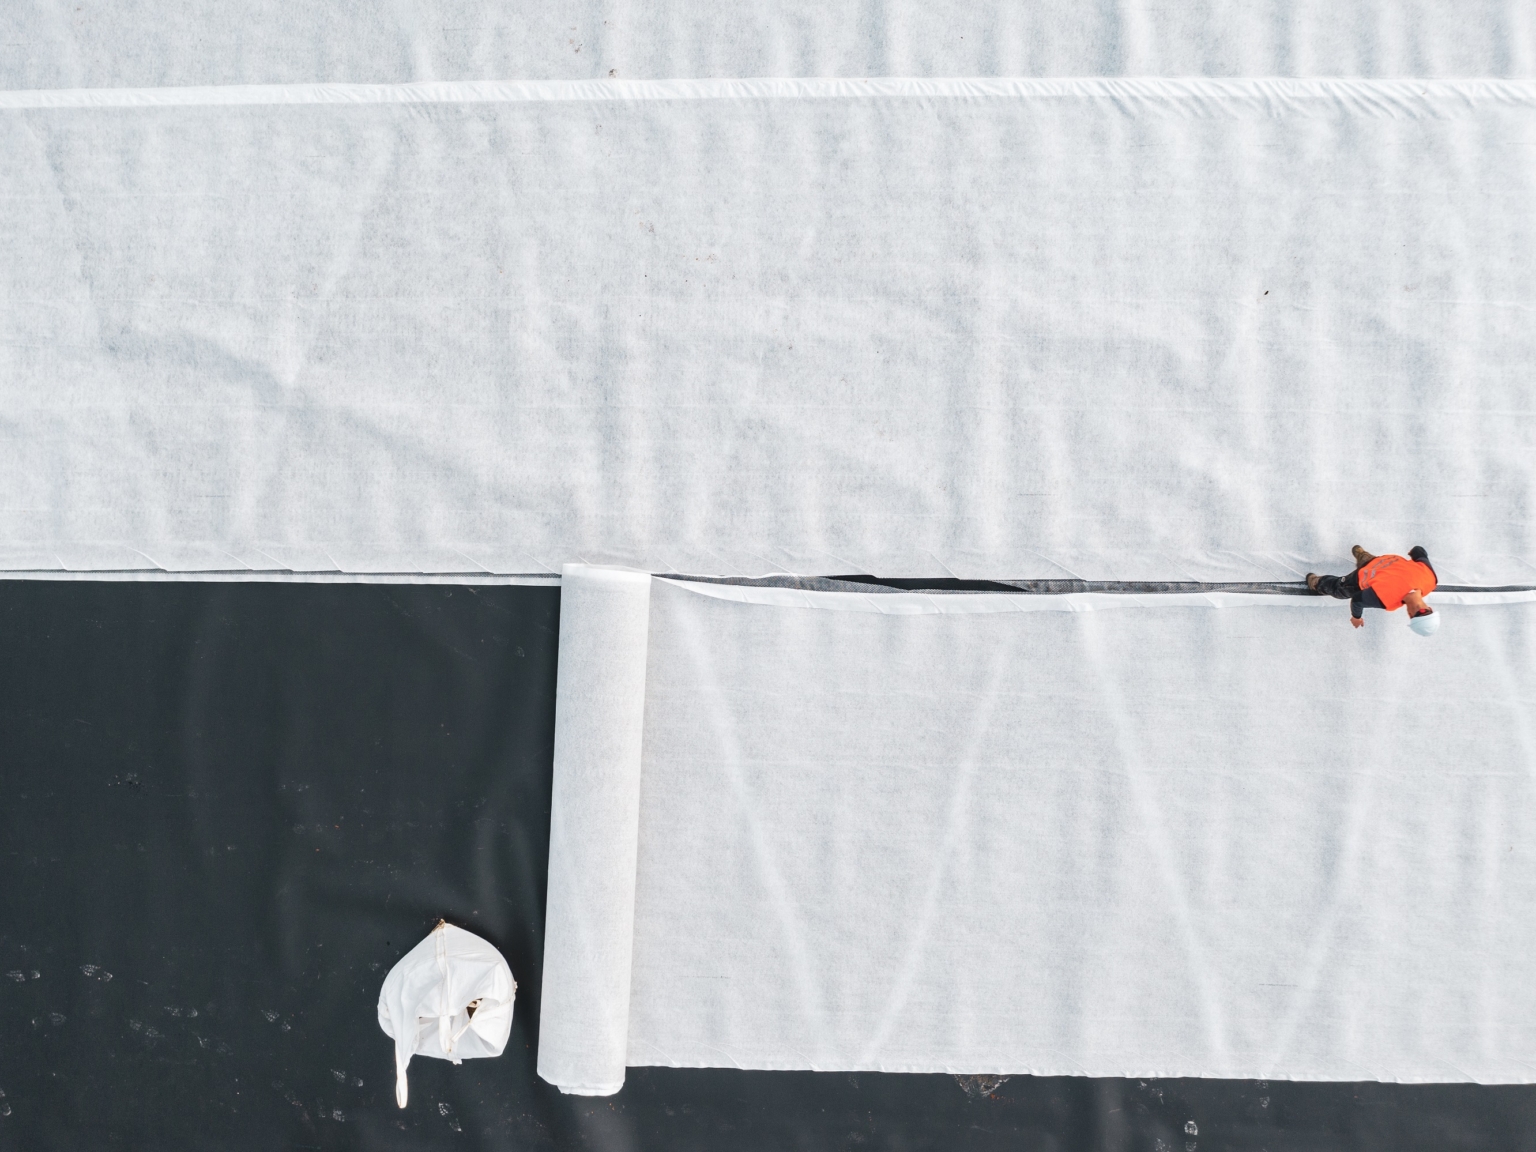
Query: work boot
point(1362, 557)
point(1312, 579)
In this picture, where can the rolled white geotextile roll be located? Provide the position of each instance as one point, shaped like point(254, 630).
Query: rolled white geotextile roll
point(594, 828)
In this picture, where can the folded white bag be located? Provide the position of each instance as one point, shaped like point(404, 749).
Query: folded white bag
point(449, 997)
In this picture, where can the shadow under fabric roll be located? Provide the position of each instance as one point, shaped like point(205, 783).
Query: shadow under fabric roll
point(594, 828)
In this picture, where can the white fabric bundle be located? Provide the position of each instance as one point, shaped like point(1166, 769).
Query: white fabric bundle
point(449, 997)
point(1222, 836)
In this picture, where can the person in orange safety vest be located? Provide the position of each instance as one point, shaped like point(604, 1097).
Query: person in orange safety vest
point(1388, 582)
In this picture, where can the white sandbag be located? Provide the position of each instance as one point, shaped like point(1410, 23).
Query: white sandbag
point(452, 996)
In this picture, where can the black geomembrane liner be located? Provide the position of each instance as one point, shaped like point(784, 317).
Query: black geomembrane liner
point(226, 809)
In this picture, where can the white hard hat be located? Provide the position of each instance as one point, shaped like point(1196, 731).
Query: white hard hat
point(1425, 624)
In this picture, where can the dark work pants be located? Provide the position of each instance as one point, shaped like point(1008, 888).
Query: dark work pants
point(1340, 587)
point(1348, 588)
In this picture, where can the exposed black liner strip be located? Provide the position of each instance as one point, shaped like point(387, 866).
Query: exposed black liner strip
point(864, 583)
point(858, 582)
point(1062, 587)
point(186, 576)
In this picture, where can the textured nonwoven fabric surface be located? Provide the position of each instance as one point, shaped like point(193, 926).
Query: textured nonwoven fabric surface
point(115, 43)
point(1100, 838)
point(1115, 329)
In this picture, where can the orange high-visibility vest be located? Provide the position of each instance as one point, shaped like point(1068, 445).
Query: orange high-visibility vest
point(1393, 577)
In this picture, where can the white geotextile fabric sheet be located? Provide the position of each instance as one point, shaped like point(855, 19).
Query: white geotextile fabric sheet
point(136, 43)
point(1068, 835)
point(1133, 329)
